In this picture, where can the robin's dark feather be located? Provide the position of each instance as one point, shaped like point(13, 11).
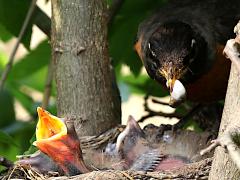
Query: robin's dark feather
point(181, 42)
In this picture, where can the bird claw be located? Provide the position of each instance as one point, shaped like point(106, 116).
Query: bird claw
point(230, 142)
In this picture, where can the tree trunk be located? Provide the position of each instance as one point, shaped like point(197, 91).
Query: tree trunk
point(86, 87)
point(222, 166)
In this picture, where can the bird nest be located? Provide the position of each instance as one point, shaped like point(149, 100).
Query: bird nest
point(198, 170)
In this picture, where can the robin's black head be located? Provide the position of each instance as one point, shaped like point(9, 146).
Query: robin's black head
point(173, 52)
point(169, 51)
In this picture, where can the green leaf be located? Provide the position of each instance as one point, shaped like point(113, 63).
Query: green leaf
point(7, 113)
point(32, 148)
point(25, 100)
point(9, 152)
point(3, 61)
point(21, 132)
point(124, 30)
point(37, 80)
point(12, 15)
point(4, 34)
point(31, 63)
point(192, 125)
point(6, 139)
point(143, 84)
point(109, 2)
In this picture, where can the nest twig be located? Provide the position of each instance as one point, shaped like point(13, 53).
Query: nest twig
point(199, 170)
point(96, 142)
point(26, 172)
point(152, 113)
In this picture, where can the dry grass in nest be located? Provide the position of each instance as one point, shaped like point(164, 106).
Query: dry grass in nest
point(199, 170)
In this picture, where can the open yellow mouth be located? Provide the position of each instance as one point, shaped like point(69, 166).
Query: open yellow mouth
point(49, 127)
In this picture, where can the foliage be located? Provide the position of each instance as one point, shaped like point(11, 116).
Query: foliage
point(28, 74)
point(122, 35)
point(12, 15)
point(124, 28)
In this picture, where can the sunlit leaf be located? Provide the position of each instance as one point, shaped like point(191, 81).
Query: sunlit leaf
point(9, 151)
point(3, 60)
point(34, 61)
point(25, 100)
point(37, 80)
point(192, 125)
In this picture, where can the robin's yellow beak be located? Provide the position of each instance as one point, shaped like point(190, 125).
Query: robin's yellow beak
point(170, 83)
point(176, 88)
point(49, 127)
point(170, 77)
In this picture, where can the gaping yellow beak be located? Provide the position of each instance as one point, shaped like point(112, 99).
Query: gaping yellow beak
point(60, 143)
point(49, 127)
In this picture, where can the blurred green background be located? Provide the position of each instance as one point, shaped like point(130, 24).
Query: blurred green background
point(28, 75)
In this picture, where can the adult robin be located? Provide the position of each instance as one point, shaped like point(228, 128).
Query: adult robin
point(181, 47)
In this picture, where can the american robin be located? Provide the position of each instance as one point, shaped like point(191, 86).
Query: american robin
point(181, 47)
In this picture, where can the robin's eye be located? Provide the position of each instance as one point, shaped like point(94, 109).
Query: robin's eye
point(153, 57)
point(151, 52)
point(188, 59)
point(193, 48)
point(193, 42)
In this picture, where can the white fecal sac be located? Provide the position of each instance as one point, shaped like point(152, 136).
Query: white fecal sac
point(179, 91)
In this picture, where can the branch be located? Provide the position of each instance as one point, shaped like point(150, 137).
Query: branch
point(160, 102)
point(21, 34)
point(42, 21)
point(5, 162)
point(152, 113)
point(227, 141)
point(48, 85)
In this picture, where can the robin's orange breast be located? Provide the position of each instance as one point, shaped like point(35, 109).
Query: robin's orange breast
point(212, 85)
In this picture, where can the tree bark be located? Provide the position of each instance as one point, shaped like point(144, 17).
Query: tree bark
point(222, 166)
point(86, 87)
